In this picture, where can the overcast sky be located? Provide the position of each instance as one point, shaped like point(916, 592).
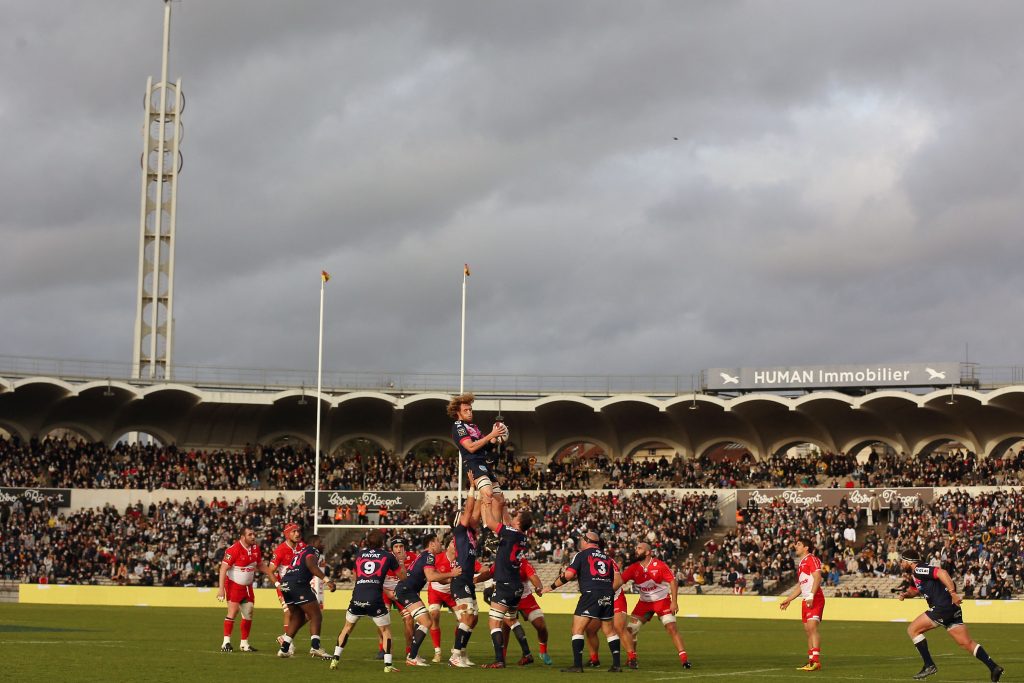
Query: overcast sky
point(638, 187)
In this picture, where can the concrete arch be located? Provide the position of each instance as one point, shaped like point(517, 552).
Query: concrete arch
point(940, 396)
point(133, 392)
point(616, 400)
point(358, 395)
point(701, 449)
point(860, 442)
point(165, 437)
point(339, 441)
point(777, 447)
point(562, 443)
point(927, 445)
point(740, 401)
point(158, 389)
point(89, 434)
point(566, 398)
point(48, 381)
point(821, 396)
point(671, 443)
point(15, 429)
point(270, 437)
point(998, 446)
point(689, 399)
point(6, 385)
point(877, 396)
point(445, 444)
point(420, 398)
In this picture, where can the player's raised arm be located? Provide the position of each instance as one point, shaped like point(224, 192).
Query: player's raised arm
point(466, 516)
point(489, 519)
point(472, 446)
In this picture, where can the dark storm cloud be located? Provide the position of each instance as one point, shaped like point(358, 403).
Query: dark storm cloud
point(649, 187)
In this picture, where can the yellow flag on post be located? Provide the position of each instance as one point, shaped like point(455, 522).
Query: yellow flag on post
point(324, 275)
point(465, 270)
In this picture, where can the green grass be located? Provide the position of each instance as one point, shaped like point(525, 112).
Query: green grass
point(112, 644)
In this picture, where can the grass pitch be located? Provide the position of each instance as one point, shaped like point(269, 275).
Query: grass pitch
point(112, 644)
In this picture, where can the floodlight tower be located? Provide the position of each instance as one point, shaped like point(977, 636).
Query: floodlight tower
point(161, 162)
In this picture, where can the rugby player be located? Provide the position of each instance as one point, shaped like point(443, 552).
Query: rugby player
point(528, 608)
point(476, 449)
point(619, 621)
point(284, 553)
point(439, 594)
point(598, 579)
point(406, 558)
point(935, 584)
point(659, 594)
point(407, 595)
point(301, 598)
point(463, 587)
point(813, 605)
point(237, 574)
point(372, 563)
point(508, 588)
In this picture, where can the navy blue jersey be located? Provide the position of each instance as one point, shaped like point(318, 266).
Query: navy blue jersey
point(371, 566)
point(465, 548)
point(931, 588)
point(462, 430)
point(299, 573)
point(417, 576)
point(594, 570)
point(509, 555)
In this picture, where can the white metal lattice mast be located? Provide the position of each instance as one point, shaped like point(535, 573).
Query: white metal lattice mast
point(161, 162)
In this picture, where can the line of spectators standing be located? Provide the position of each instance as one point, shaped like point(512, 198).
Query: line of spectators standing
point(69, 463)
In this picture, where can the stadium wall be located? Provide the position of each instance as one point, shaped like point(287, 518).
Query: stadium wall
point(691, 606)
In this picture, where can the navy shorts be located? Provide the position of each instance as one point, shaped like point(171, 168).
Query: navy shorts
point(463, 588)
point(508, 594)
point(367, 608)
point(404, 597)
point(947, 616)
point(480, 468)
point(596, 605)
point(299, 593)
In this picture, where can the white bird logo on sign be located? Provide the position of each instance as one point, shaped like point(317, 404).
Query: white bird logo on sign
point(935, 374)
point(729, 379)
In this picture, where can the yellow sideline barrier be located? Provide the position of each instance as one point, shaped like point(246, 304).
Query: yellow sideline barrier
point(705, 606)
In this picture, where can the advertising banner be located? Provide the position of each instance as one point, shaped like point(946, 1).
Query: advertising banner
point(827, 376)
point(57, 497)
point(395, 500)
point(863, 498)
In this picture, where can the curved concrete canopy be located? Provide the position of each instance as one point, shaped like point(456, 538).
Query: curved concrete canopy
point(192, 416)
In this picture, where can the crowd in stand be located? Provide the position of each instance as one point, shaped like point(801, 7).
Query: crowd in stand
point(977, 539)
point(167, 544)
point(69, 463)
point(670, 523)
